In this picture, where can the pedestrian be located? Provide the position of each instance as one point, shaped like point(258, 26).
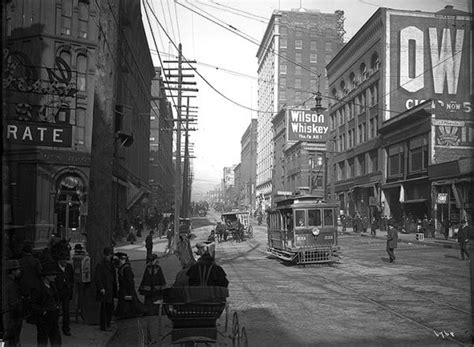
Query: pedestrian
point(169, 236)
point(12, 304)
point(365, 224)
point(65, 284)
point(128, 305)
point(425, 226)
point(463, 239)
point(161, 229)
point(445, 224)
point(392, 240)
point(207, 273)
point(153, 281)
point(431, 227)
point(105, 280)
point(45, 308)
point(30, 269)
point(139, 226)
point(373, 227)
point(131, 235)
point(343, 223)
point(149, 244)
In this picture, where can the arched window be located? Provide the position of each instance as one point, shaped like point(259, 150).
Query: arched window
point(363, 69)
point(352, 79)
point(81, 72)
point(375, 62)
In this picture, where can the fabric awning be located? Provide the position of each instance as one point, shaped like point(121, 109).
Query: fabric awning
point(134, 194)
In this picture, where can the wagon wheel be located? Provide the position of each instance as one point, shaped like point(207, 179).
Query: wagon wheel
point(235, 330)
point(243, 341)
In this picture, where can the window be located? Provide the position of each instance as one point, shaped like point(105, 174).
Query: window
point(298, 70)
point(313, 58)
point(298, 44)
point(373, 91)
point(283, 69)
point(81, 72)
point(341, 171)
point(80, 123)
point(418, 154)
point(361, 129)
point(313, 45)
point(352, 80)
point(375, 62)
point(297, 96)
point(283, 30)
point(298, 33)
point(298, 57)
point(297, 82)
point(83, 19)
point(396, 158)
point(282, 95)
point(328, 217)
point(328, 46)
point(361, 165)
point(300, 218)
point(314, 218)
point(351, 137)
point(66, 17)
point(374, 161)
point(283, 43)
point(350, 168)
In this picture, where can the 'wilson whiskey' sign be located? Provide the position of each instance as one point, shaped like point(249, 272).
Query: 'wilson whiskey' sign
point(306, 125)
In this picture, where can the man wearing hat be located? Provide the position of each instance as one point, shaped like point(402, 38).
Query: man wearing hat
point(12, 304)
point(105, 280)
point(392, 240)
point(64, 284)
point(463, 239)
point(45, 307)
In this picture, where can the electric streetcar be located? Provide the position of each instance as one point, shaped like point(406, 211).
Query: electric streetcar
point(302, 229)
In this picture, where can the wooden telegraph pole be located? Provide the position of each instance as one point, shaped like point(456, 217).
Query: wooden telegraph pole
point(179, 245)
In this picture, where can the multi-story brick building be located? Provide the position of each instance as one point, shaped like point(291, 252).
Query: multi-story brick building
point(49, 73)
point(291, 58)
point(248, 161)
point(388, 143)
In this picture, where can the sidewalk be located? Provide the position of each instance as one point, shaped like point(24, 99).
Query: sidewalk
point(438, 241)
point(90, 335)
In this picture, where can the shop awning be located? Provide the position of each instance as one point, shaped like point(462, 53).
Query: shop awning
point(414, 201)
point(134, 194)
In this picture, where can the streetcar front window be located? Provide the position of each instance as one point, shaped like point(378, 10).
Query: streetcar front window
point(328, 217)
point(300, 218)
point(314, 217)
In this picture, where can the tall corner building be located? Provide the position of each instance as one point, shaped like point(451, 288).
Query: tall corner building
point(292, 55)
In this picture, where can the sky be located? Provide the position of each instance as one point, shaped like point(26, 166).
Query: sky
point(228, 62)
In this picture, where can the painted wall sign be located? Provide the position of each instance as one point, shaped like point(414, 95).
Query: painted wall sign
point(306, 125)
point(38, 134)
point(429, 58)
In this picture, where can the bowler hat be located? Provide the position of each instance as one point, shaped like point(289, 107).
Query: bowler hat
point(50, 269)
point(12, 264)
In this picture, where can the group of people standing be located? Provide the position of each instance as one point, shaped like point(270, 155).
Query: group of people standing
point(39, 293)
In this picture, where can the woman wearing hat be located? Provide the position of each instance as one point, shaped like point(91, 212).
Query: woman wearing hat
point(128, 305)
point(152, 282)
point(45, 307)
point(12, 304)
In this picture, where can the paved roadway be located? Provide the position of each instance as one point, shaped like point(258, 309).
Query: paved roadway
point(363, 301)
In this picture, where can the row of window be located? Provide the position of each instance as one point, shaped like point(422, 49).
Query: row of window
point(363, 164)
point(82, 18)
point(357, 105)
point(355, 137)
point(313, 45)
point(413, 152)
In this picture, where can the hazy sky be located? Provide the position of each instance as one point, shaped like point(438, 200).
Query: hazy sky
point(228, 62)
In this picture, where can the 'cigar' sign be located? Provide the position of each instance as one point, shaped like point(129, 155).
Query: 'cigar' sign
point(39, 134)
point(306, 125)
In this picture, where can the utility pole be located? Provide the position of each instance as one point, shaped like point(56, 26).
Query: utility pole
point(181, 247)
point(185, 209)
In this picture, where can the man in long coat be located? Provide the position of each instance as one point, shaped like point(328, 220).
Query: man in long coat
point(65, 284)
point(105, 280)
point(392, 240)
point(12, 307)
point(463, 239)
point(128, 306)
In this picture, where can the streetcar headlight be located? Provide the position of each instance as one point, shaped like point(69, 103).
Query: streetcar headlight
point(315, 231)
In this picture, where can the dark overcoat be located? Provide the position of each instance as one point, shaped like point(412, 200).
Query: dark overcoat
point(392, 237)
point(106, 278)
point(65, 282)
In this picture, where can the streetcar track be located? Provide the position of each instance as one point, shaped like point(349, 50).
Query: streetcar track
point(303, 280)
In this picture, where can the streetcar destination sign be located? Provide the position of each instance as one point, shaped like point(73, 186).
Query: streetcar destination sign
point(39, 134)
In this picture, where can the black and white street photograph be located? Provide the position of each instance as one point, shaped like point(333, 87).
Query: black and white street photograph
point(281, 173)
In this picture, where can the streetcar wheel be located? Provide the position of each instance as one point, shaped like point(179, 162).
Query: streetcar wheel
point(243, 341)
